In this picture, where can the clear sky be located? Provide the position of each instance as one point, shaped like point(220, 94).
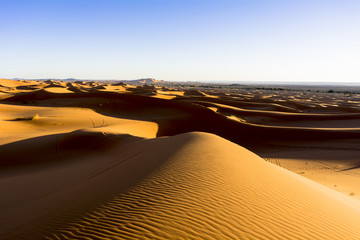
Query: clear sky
point(182, 40)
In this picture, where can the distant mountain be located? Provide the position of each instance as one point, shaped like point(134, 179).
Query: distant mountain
point(142, 81)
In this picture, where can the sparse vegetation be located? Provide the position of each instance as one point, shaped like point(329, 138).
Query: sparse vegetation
point(36, 116)
point(101, 125)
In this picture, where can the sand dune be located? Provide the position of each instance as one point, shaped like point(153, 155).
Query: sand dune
point(89, 160)
point(13, 83)
point(61, 120)
point(175, 117)
point(178, 188)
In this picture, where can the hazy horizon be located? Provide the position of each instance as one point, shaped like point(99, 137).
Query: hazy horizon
point(199, 40)
point(305, 83)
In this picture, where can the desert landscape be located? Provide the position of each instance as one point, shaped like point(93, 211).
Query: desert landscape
point(149, 159)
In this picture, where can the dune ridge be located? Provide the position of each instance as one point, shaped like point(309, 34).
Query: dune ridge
point(225, 192)
point(115, 161)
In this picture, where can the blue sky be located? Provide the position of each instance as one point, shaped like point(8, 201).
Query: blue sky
point(182, 40)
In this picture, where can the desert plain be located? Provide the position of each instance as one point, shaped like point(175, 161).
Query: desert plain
point(94, 160)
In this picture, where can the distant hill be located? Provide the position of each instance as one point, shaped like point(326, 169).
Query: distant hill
point(142, 81)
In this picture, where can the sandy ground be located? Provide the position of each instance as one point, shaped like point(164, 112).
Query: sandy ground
point(85, 160)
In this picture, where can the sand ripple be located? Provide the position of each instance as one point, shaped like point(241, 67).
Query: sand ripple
point(210, 188)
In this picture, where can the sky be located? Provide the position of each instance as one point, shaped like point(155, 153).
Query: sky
point(181, 40)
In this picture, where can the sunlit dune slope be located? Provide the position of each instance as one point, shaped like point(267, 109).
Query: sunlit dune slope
point(190, 186)
point(14, 83)
point(19, 122)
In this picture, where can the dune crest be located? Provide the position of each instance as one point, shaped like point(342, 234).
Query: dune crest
point(91, 160)
point(194, 185)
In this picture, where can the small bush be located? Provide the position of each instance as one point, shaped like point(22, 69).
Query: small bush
point(36, 116)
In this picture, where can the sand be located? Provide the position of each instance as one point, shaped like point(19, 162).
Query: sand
point(110, 161)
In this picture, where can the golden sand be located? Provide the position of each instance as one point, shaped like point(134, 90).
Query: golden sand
point(101, 161)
